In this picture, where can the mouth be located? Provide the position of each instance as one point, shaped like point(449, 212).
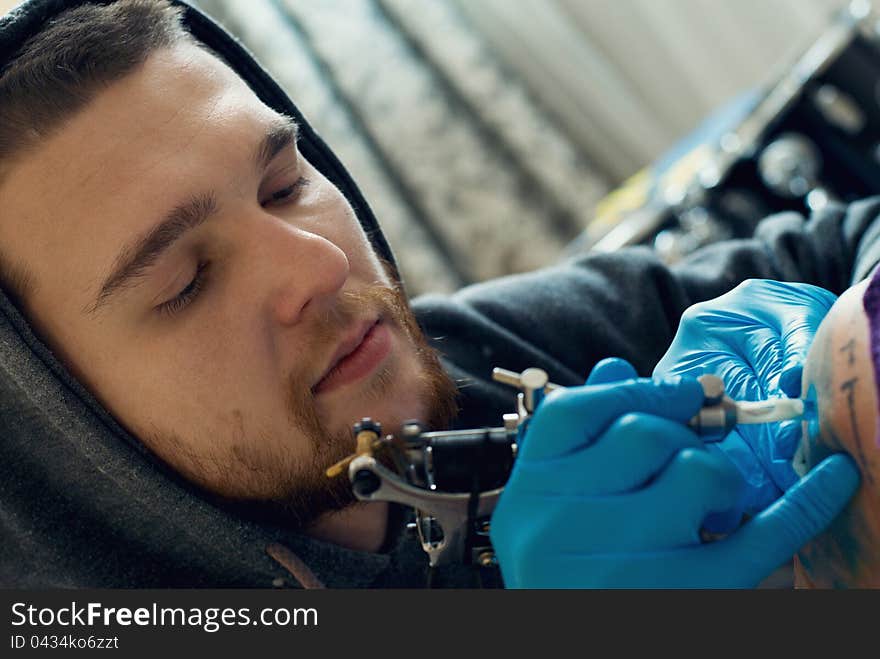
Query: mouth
point(358, 355)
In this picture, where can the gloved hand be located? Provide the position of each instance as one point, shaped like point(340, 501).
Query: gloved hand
point(756, 339)
point(609, 489)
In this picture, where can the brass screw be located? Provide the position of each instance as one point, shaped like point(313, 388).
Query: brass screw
point(367, 442)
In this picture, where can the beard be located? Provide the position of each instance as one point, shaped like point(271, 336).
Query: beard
point(302, 492)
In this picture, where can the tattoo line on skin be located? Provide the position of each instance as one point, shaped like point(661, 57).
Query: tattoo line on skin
point(849, 347)
point(849, 387)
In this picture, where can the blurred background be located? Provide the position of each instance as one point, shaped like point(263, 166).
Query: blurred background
point(485, 132)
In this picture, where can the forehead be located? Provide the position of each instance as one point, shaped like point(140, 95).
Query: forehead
point(172, 126)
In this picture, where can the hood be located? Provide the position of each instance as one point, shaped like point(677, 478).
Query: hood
point(82, 503)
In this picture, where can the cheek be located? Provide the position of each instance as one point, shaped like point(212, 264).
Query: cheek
point(200, 384)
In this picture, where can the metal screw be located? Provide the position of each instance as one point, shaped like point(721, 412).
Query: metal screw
point(511, 421)
point(713, 388)
point(486, 559)
point(515, 379)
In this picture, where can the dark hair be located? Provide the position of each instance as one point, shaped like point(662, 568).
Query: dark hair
point(58, 71)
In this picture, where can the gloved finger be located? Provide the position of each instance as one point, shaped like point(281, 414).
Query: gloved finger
point(693, 567)
point(784, 438)
point(798, 326)
point(761, 352)
point(695, 484)
point(667, 514)
point(780, 442)
point(677, 568)
point(634, 449)
point(760, 490)
point(773, 446)
point(764, 298)
point(772, 537)
point(630, 453)
point(790, 380)
point(612, 369)
point(663, 569)
point(572, 418)
point(738, 375)
point(742, 379)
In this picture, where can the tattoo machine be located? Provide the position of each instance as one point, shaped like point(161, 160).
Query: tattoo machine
point(453, 478)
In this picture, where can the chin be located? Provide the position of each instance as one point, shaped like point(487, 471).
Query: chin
point(391, 412)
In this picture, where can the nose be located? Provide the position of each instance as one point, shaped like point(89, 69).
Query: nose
point(309, 271)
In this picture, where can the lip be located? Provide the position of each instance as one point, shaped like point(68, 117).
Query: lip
point(357, 356)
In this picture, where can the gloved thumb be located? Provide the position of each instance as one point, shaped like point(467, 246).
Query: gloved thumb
point(573, 418)
point(792, 374)
point(612, 369)
point(804, 511)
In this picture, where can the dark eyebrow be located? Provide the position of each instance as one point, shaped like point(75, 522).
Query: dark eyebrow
point(134, 259)
point(282, 133)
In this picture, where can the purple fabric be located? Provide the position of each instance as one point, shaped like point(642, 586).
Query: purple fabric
point(871, 302)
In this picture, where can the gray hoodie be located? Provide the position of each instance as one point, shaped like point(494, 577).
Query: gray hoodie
point(84, 504)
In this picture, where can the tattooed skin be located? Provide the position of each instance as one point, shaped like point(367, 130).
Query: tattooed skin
point(839, 377)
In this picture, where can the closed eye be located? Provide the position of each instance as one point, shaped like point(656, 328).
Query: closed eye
point(196, 285)
point(188, 294)
point(289, 194)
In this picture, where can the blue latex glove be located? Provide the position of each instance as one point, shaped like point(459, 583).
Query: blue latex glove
point(756, 339)
point(609, 489)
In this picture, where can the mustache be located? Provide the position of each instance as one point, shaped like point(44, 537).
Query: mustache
point(350, 307)
point(316, 494)
point(386, 301)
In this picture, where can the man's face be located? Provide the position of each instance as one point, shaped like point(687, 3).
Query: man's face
point(201, 277)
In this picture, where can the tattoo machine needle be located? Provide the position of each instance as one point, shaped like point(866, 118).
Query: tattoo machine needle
point(721, 414)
